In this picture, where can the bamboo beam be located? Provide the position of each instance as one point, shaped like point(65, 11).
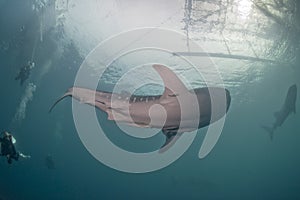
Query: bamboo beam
point(229, 56)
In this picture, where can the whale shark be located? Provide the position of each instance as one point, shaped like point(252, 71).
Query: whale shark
point(288, 107)
point(174, 112)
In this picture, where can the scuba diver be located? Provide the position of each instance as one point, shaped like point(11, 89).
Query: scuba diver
point(8, 148)
point(25, 72)
point(49, 162)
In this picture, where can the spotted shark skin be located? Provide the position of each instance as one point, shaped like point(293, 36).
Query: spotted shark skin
point(151, 111)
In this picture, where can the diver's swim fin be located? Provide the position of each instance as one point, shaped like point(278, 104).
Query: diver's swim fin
point(24, 156)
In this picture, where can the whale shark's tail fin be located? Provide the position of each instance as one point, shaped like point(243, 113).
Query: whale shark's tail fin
point(269, 130)
point(68, 93)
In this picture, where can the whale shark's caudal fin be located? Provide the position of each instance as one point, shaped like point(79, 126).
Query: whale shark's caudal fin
point(68, 93)
point(269, 130)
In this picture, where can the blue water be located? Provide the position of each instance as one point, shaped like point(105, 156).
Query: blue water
point(244, 164)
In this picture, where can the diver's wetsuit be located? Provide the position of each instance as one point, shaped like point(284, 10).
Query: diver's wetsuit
point(24, 73)
point(8, 149)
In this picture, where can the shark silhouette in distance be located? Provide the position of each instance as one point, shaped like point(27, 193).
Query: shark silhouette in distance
point(288, 107)
point(140, 111)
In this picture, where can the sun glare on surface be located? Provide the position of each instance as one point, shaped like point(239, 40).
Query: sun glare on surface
point(244, 8)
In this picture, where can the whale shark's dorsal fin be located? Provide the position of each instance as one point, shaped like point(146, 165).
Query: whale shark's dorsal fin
point(173, 85)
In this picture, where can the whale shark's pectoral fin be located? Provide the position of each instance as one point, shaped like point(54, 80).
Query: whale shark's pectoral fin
point(173, 85)
point(171, 138)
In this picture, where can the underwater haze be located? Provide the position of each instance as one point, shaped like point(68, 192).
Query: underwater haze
point(254, 46)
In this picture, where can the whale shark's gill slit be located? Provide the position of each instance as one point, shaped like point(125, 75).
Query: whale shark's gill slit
point(100, 102)
point(139, 98)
